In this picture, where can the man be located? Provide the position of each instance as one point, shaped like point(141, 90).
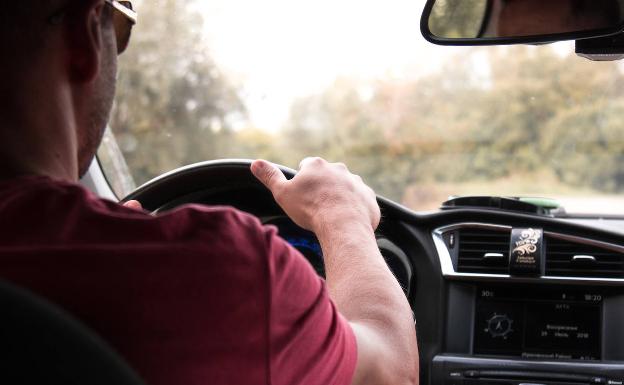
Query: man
point(199, 295)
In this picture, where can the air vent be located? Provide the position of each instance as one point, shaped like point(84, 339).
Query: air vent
point(483, 251)
point(566, 258)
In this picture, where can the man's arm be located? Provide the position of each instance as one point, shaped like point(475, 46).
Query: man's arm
point(343, 212)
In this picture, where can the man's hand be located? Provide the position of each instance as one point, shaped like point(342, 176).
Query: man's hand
point(321, 194)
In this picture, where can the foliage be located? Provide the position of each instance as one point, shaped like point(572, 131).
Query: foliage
point(458, 18)
point(535, 113)
point(173, 105)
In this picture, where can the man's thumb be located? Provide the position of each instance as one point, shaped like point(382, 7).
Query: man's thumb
point(136, 205)
point(268, 173)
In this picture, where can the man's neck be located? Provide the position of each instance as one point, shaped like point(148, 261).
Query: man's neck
point(38, 137)
point(27, 159)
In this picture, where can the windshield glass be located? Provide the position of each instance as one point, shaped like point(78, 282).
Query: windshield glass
point(354, 81)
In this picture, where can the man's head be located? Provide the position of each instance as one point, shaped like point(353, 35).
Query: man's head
point(58, 83)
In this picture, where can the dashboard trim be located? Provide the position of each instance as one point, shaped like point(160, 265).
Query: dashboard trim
point(445, 366)
point(448, 270)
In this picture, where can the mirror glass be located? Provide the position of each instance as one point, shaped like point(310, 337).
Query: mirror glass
point(472, 19)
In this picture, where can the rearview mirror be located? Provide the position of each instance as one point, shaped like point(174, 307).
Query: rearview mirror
point(484, 22)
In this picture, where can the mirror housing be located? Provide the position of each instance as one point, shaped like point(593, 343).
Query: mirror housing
point(503, 22)
point(607, 48)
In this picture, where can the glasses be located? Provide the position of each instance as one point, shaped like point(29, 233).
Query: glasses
point(123, 20)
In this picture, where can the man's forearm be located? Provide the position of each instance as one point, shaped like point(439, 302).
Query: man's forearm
point(357, 273)
point(365, 290)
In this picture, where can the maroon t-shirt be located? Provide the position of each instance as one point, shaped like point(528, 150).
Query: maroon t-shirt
point(195, 296)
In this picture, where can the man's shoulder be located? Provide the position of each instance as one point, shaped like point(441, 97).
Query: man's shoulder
point(40, 209)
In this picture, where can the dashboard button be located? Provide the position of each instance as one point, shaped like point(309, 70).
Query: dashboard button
point(598, 380)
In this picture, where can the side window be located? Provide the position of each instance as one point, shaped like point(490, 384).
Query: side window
point(114, 165)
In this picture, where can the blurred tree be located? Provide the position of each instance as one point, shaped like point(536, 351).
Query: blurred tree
point(458, 18)
point(526, 111)
point(341, 125)
point(172, 99)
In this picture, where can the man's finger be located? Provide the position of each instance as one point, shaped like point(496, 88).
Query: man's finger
point(136, 205)
point(268, 173)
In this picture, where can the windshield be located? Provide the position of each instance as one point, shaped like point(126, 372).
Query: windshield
point(354, 81)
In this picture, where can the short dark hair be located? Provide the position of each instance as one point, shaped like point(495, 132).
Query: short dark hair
point(24, 23)
point(25, 12)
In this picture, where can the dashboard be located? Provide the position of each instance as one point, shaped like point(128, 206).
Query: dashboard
point(499, 297)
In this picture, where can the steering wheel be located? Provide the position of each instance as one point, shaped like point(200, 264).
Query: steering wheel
point(219, 182)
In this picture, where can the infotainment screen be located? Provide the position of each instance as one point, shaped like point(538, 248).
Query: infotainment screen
point(538, 324)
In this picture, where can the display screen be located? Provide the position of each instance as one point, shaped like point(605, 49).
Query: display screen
point(538, 324)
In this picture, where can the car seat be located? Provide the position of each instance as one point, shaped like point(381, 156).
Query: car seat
point(42, 345)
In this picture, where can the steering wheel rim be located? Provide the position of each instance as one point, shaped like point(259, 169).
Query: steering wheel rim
point(179, 185)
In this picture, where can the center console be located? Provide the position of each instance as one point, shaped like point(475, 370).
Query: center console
point(532, 334)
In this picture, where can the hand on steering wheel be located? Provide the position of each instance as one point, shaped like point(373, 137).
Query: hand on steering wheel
point(321, 194)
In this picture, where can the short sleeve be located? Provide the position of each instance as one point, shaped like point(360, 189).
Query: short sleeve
point(310, 341)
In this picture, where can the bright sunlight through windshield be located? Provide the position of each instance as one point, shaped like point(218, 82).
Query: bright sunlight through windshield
point(355, 82)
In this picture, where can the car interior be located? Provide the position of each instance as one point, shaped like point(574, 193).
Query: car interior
point(505, 290)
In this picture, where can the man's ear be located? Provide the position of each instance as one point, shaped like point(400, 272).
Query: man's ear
point(85, 41)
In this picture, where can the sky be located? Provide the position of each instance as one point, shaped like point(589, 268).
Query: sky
point(283, 49)
point(278, 50)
